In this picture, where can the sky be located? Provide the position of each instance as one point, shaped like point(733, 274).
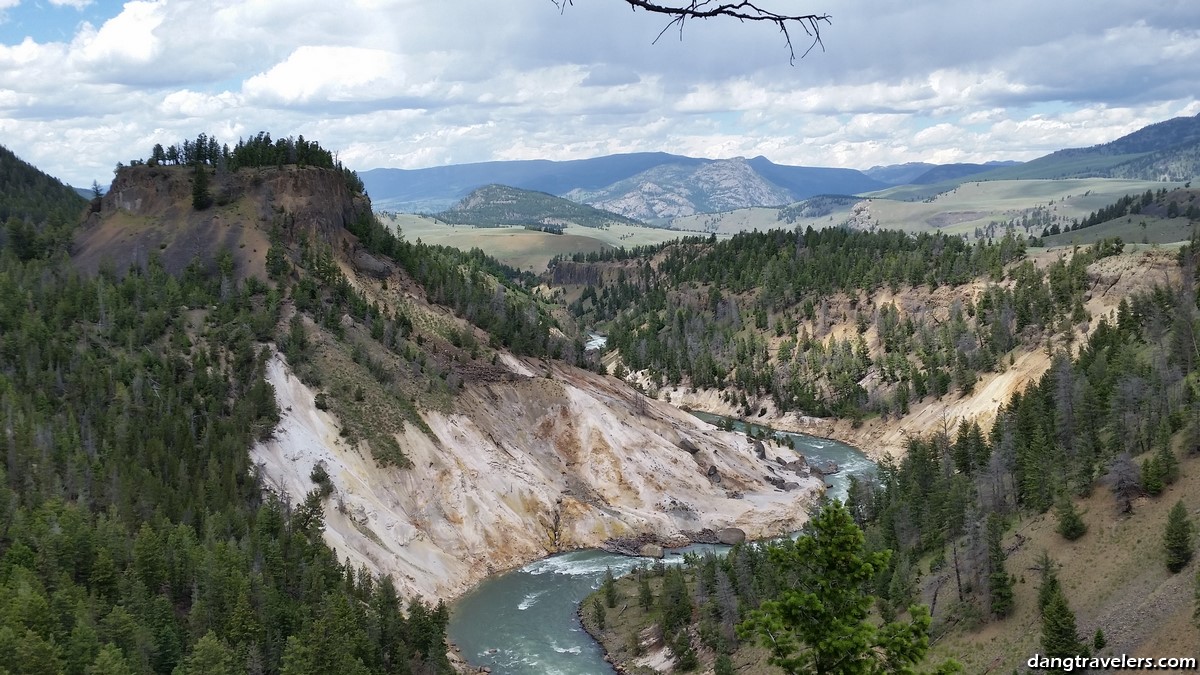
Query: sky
point(85, 84)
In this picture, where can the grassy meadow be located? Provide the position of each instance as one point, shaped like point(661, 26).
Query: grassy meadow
point(526, 249)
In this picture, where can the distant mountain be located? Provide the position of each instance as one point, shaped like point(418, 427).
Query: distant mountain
point(440, 187)
point(673, 190)
point(609, 182)
point(1167, 150)
point(944, 172)
point(898, 174)
point(808, 181)
point(657, 185)
point(501, 205)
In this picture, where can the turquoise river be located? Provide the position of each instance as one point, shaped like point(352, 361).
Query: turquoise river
point(524, 622)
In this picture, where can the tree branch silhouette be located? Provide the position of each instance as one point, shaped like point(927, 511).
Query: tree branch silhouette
point(744, 10)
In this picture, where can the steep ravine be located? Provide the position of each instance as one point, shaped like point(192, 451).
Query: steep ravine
point(485, 488)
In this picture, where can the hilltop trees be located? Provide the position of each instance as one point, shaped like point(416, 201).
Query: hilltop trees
point(256, 151)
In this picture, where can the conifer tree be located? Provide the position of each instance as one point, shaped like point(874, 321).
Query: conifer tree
point(1049, 585)
point(598, 612)
point(821, 624)
point(201, 199)
point(1178, 538)
point(1153, 476)
point(1168, 463)
point(1070, 524)
point(645, 597)
point(610, 588)
point(1059, 633)
point(1000, 589)
point(1196, 611)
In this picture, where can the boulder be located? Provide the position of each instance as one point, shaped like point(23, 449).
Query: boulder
point(370, 265)
point(651, 551)
point(798, 467)
point(760, 449)
point(731, 535)
point(687, 444)
point(714, 475)
point(825, 468)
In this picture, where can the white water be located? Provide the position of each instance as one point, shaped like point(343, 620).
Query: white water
point(524, 622)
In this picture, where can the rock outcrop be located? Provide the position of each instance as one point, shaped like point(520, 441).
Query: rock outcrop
point(148, 211)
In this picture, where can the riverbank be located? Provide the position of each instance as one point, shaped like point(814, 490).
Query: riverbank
point(526, 622)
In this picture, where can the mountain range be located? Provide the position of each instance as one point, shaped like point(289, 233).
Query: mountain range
point(656, 186)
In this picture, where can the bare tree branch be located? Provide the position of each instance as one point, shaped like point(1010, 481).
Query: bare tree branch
point(744, 10)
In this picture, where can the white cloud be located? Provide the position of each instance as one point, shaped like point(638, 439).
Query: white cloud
point(414, 83)
point(77, 4)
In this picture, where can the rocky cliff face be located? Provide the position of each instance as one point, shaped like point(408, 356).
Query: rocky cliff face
point(552, 459)
point(673, 190)
point(148, 211)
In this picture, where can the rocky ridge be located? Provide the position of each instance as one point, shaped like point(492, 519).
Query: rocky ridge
point(672, 190)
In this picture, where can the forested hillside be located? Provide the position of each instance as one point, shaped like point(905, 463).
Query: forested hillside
point(1119, 417)
point(136, 537)
point(752, 316)
point(36, 210)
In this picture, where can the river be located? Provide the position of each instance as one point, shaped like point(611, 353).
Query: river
point(523, 622)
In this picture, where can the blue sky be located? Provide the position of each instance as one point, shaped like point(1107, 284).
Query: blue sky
point(47, 21)
point(414, 83)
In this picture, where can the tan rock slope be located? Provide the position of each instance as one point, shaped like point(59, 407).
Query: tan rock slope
point(556, 444)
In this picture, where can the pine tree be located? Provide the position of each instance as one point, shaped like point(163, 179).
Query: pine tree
point(610, 588)
point(645, 597)
point(1070, 524)
point(1059, 633)
point(1196, 593)
point(1099, 641)
point(1152, 476)
point(201, 199)
point(598, 614)
point(110, 661)
point(822, 622)
point(1049, 586)
point(209, 657)
point(1168, 463)
point(1000, 589)
point(1178, 538)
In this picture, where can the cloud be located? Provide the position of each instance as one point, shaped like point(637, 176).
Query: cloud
point(414, 83)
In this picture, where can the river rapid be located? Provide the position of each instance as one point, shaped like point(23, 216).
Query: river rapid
point(524, 622)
